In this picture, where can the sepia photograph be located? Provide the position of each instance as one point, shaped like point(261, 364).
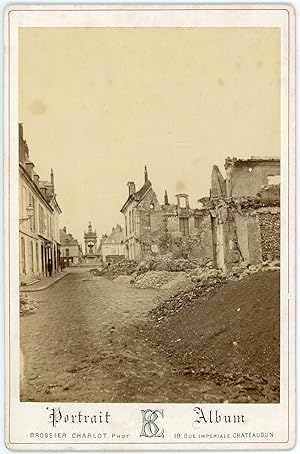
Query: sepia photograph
point(149, 227)
point(149, 214)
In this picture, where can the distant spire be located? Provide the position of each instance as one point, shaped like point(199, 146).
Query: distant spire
point(146, 174)
point(52, 177)
point(166, 198)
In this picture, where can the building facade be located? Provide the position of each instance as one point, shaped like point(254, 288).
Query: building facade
point(137, 222)
point(70, 250)
point(112, 247)
point(39, 212)
point(151, 228)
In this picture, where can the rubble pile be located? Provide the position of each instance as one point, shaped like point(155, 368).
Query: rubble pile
point(124, 267)
point(243, 270)
point(230, 335)
point(154, 279)
point(175, 302)
point(27, 305)
point(95, 271)
point(199, 282)
point(207, 276)
point(166, 263)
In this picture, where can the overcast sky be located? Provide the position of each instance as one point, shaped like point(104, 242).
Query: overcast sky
point(98, 104)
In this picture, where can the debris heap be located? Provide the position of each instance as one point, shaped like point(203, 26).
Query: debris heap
point(27, 305)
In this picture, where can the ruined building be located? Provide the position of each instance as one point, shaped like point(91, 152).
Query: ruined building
point(151, 228)
point(238, 222)
point(245, 211)
point(137, 216)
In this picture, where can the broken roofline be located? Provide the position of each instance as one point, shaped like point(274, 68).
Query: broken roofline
point(257, 159)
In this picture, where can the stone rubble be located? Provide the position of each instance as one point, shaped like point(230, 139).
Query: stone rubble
point(205, 280)
point(27, 305)
point(154, 279)
point(187, 278)
point(124, 267)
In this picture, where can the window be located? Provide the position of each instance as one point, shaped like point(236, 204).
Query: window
point(42, 258)
point(67, 252)
point(273, 179)
point(32, 219)
point(41, 219)
point(23, 208)
point(37, 257)
point(23, 262)
point(184, 226)
point(197, 223)
point(130, 221)
point(182, 202)
point(126, 233)
point(31, 257)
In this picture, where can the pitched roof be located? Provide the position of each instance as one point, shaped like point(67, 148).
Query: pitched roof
point(67, 238)
point(138, 195)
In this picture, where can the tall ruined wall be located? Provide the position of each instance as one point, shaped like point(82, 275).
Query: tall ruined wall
point(148, 214)
point(248, 236)
point(270, 235)
point(202, 235)
point(248, 179)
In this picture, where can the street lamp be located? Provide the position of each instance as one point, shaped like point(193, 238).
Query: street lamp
point(30, 213)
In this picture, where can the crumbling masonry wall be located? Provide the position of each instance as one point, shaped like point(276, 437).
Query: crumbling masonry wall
point(270, 235)
point(250, 235)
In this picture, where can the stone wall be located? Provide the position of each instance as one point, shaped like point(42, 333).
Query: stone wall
point(250, 235)
point(202, 235)
point(270, 235)
point(246, 178)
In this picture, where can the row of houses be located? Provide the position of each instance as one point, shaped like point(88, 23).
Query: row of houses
point(44, 248)
point(39, 211)
point(238, 222)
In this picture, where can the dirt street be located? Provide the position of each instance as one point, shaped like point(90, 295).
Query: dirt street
point(82, 345)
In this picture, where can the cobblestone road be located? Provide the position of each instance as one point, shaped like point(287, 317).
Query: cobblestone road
point(82, 345)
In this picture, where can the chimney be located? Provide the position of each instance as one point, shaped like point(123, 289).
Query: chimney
point(146, 174)
point(52, 177)
point(131, 187)
point(29, 168)
point(166, 198)
point(65, 229)
point(36, 179)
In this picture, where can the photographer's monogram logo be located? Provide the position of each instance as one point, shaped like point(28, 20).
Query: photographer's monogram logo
point(151, 420)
